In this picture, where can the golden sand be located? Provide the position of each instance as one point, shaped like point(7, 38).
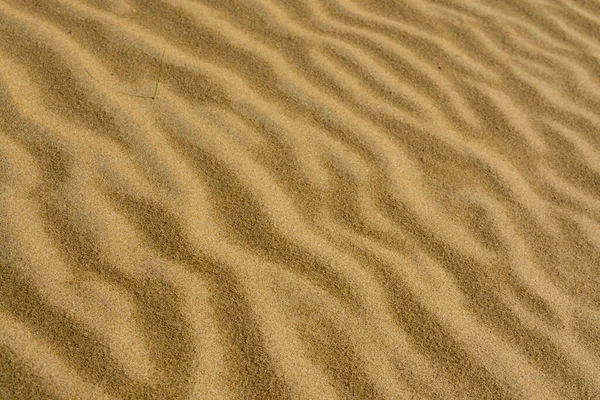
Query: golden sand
point(327, 199)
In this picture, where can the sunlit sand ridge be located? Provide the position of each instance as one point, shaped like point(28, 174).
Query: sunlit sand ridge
point(313, 199)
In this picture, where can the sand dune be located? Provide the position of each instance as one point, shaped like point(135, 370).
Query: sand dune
point(327, 199)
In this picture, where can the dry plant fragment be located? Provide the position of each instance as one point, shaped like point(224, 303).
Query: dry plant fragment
point(158, 75)
point(153, 97)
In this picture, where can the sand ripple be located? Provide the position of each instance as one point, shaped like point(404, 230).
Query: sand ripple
point(329, 199)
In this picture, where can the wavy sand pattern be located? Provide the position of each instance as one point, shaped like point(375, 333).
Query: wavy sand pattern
point(329, 199)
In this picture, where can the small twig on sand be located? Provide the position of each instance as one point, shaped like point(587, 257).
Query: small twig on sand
point(158, 75)
point(153, 97)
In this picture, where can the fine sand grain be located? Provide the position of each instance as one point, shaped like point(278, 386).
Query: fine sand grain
point(299, 199)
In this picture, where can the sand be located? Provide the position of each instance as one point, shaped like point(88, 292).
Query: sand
point(299, 199)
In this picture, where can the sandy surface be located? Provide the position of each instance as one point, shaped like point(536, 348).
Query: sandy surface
point(327, 199)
